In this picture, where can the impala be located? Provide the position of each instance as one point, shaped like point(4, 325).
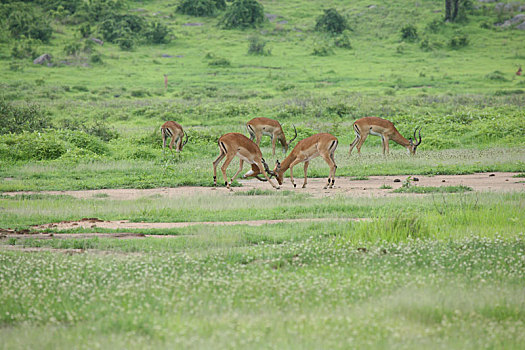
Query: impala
point(266, 126)
point(384, 128)
point(175, 131)
point(235, 144)
point(323, 145)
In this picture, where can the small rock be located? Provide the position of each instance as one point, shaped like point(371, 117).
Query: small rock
point(443, 181)
point(166, 55)
point(97, 41)
point(492, 175)
point(42, 59)
point(397, 180)
point(197, 24)
point(415, 179)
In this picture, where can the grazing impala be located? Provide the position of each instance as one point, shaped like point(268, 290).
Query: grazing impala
point(235, 144)
point(384, 128)
point(175, 131)
point(266, 126)
point(323, 145)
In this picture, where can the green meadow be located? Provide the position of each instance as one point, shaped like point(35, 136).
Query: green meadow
point(424, 268)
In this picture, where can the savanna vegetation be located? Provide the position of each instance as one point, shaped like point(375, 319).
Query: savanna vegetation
point(443, 270)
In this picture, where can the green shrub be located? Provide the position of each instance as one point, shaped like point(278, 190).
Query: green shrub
point(219, 62)
point(458, 41)
point(31, 146)
point(85, 30)
point(496, 75)
point(243, 14)
point(201, 8)
point(158, 33)
point(116, 26)
point(256, 46)
point(322, 49)
point(72, 48)
point(23, 21)
point(24, 49)
point(409, 33)
point(83, 140)
point(343, 40)
point(15, 119)
point(331, 21)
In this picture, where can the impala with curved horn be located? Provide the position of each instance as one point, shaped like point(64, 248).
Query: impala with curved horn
point(175, 131)
point(323, 145)
point(235, 144)
point(266, 126)
point(384, 128)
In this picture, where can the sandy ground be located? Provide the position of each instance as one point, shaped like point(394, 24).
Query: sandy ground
point(497, 182)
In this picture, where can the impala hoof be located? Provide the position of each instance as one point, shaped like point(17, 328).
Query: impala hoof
point(294, 185)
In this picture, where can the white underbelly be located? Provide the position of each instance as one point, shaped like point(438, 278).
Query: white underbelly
point(244, 158)
point(376, 133)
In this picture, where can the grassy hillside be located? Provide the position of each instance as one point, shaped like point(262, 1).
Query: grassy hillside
point(456, 80)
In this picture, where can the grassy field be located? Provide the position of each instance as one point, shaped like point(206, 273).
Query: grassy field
point(440, 269)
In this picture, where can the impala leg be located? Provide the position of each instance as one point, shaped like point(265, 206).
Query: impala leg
point(215, 163)
point(335, 168)
point(294, 163)
point(360, 142)
point(352, 145)
point(258, 139)
point(305, 172)
point(229, 158)
point(387, 150)
point(241, 163)
point(331, 175)
point(274, 140)
point(261, 168)
point(179, 143)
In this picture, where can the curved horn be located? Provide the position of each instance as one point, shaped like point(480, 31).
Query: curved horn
point(295, 130)
point(186, 140)
point(267, 168)
point(417, 144)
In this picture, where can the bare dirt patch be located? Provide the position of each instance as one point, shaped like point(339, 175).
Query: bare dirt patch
point(124, 224)
point(496, 182)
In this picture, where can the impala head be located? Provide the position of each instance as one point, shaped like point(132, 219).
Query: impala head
point(277, 172)
point(185, 141)
point(413, 146)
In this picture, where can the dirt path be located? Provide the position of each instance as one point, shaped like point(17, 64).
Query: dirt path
point(498, 182)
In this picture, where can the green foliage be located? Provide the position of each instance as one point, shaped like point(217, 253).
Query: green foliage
point(73, 48)
point(430, 189)
point(496, 75)
point(331, 21)
point(18, 119)
point(243, 14)
point(31, 146)
point(24, 49)
point(23, 21)
point(257, 46)
point(219, 62)
point(201, 8)
point(85, 30)
point(459, 41)
point(116, 26)
point(158, 33)
point(322, 49)
point(409, 33)
point(343, 40)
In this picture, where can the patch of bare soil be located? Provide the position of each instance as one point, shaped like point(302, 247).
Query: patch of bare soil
point(496, 182)
point(124, 224)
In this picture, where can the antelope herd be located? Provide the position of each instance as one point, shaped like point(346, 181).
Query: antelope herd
point(233, 145)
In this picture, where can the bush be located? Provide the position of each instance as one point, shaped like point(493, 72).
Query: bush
point(322, 50)
point(14, 119)
point(459, 41)
point(220, 62)
point(72, 49)
point(29, 146)
point(332, 22)
point(409, 33)
point(243, 14)
point(496, 75)
point(24, 49)
point(23, 21)
point(115, 27)
point(343, 40)
point(257, 45)
point(158, 33)
point(201, 8)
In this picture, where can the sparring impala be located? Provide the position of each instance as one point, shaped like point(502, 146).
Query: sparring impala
point(257, 127)
point(323, 145)
point(235, 144)
point(384, 128)
point(175, 131)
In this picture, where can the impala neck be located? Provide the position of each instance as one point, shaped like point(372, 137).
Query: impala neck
point(397, 137)
point(286, 163)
